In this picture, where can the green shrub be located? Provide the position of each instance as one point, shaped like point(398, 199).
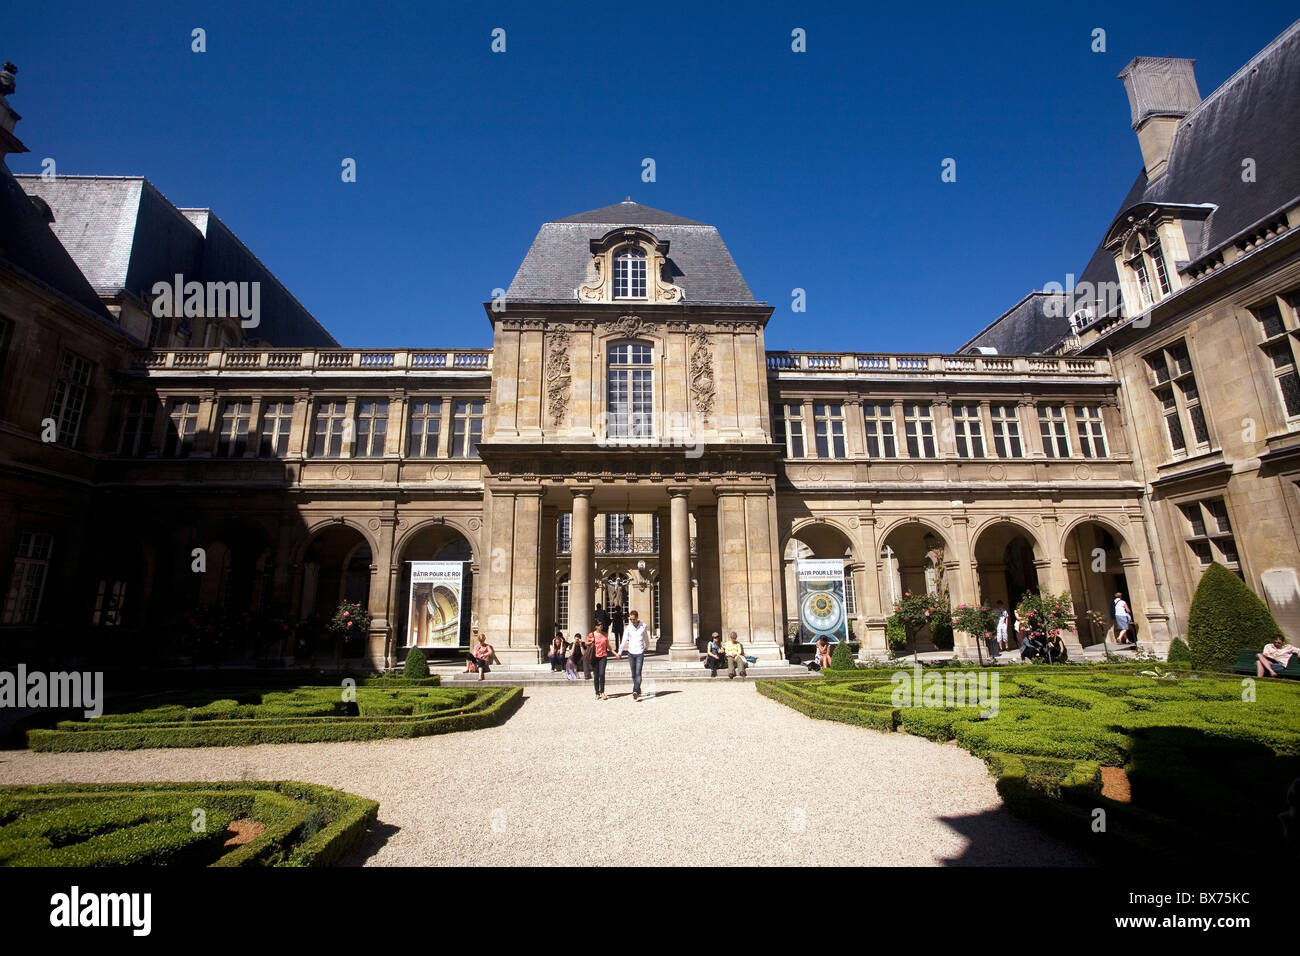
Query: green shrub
point(1225, 617)
point(1179, 653)
point(842, 657)
point(417, 665)
point(895, 632)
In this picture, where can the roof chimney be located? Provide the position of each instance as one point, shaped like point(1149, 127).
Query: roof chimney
point(1161, 91)
point(9, 143)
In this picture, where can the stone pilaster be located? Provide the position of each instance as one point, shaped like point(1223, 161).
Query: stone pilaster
point(683, 646)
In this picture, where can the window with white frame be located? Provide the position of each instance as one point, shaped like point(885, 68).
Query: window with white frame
point(564, 533)
point(466, 428)
point(918, 422)
point(616, 540)
point(1174, 387)
point(878, 421)
point(331, 418)
point(630, 273)
point(968, 431)
point(1279, 344)
point(277, 424)
point(1091, 431)
point(1208, 533)
point(372, 427)
point(630, 391)
point(1145, 256)
point(1006, 431)
point(1052, 428)
point(236, 416)
point(654, 597)
point(70, 393)
point(27, 581)
point(789, 429)
point(182, 426)
point(136, 436)
point(424, 426)
point(562, 606)
point(828, 429)
point(850, 593)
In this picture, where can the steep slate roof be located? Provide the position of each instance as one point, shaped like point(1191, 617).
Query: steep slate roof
point(698, 259)
point(126, 235)
point(1026, 328)
point(33, 251)
point(1252, 115)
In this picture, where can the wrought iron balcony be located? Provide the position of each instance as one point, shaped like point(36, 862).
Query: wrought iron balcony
point(629, 546)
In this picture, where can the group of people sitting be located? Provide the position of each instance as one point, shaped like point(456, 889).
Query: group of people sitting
point(731, 655)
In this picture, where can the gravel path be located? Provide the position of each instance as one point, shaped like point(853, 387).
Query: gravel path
point(697, 775)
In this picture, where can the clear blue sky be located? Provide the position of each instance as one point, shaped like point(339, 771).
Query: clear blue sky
point(821, 169)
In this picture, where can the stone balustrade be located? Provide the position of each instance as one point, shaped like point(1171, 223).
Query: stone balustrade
point(857, 364)
point(315, 360)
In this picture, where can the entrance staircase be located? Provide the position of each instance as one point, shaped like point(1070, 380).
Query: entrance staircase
point(618, 673)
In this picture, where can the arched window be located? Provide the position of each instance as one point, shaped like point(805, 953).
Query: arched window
point(1146, 257)
point(630, 391)
point(630, 273)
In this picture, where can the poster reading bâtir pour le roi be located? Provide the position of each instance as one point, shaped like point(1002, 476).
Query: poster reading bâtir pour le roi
point(433, 619)
point(822, 611)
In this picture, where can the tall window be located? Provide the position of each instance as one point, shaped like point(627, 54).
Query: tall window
point(1146, 257)
point(918, 421)
point(879, 422)
point(850, 593)
point(629, 392)
point(424, 424)
point(616, 542)
point(968, 430)
point(331, 415)
point(1092, 433)
point(564, 533)
point(27, 583)
point(277, 424)
point(1006, 432)
point(109, 599)
point(6, 339)
point(654, 532)
point(136, 435)
point(562, 606)
point(1279, 344)
point(235, 419)
point(630, 274)
point(1209, 533)
point(70, 397)
point(789, 429)
point(1051, 425)
point(372, 427)
point(466, 428)
point(182, 425)
point(1174, 387)
point(654, 597)
point(828, 428)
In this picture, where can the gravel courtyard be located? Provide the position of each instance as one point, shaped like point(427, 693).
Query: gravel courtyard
point(701, 774)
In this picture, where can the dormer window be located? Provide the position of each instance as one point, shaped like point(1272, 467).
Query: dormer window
point(1146, 257)
point(630, 273)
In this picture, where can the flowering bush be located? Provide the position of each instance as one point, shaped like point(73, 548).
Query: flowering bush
point(977, 620)
point(1043, 614)
point(351, 622)
point(916, 611)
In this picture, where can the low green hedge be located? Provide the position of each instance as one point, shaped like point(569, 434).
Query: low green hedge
point(1201, 761)
point(402, 712)
point(151, 824)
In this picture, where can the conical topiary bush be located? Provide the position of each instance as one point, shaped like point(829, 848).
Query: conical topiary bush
point(842, 657)
point(1179, 653)
point(417, 665)
point(1225, 617)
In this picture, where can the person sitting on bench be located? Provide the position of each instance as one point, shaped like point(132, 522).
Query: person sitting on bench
point(1272, 661)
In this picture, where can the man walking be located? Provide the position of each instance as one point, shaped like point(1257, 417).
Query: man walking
point(633, 647)
point(1003, 619)
point(735, 652)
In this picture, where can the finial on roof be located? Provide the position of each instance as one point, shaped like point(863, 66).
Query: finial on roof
point(628, 199)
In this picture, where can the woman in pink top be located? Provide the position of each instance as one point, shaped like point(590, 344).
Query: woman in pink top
point(600, 642)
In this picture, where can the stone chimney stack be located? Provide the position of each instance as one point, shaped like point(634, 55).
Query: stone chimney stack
point(1161, 91)
point(9, 143)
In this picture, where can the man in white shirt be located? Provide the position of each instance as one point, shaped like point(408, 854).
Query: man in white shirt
point(634, 649)
point(1003, 618)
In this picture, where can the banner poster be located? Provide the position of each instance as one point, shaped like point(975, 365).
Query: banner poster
point(822, 611)
point(433, 616)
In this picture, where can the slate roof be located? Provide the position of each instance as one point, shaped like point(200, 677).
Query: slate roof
point(1252, 115)
point(126, 235)
point(698, 260)
point(1026, 328)
point(31, 250)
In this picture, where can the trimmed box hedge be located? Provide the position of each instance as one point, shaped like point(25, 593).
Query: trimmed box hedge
point(301, 715)
point(152, 824)
point(1207, 758)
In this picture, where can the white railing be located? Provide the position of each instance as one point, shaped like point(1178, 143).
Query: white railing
point(854, 363)
point(318, 360)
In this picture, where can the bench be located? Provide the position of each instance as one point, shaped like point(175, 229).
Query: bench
point(1246, 664)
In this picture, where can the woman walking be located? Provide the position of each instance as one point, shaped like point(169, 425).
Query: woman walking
point(600, 657)
point(1123, 618)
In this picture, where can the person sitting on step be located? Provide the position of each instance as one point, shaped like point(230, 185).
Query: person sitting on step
point(735, 652)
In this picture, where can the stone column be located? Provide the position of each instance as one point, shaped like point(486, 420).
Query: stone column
point(706, 569)
point(683, 646)
point(581, 565)
point(967, 590)
point(665, 619)
point(379, 595)
point(873, 643)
